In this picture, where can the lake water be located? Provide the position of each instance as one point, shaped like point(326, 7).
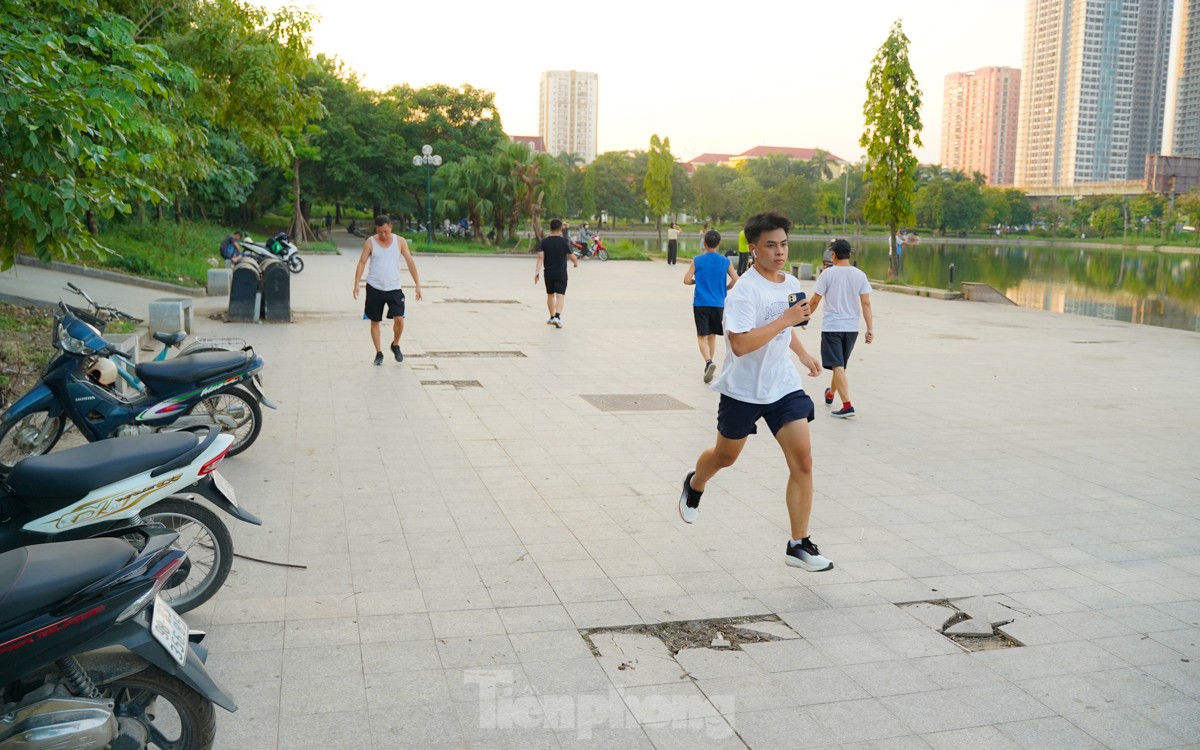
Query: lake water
point(1160, 289)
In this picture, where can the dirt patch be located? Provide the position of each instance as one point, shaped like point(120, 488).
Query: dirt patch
point(24, 348)
point(677, 636)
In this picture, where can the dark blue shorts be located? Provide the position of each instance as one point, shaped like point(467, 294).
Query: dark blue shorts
point(836, 347)
point(736, 419)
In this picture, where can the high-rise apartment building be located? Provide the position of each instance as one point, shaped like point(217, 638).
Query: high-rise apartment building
point(979, 123)
point(1185, 140)
point(567, 111)
point(1093, 90)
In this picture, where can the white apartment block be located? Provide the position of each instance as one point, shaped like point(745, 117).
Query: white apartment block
point(1185, 140)
point(567, 108)
point(1093, 90)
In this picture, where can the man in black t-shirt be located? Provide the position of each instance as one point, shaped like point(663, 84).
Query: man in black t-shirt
point(552, 254)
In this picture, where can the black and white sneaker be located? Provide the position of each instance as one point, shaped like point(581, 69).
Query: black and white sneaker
point(689, 500)
point(805, 555)
point(557, 322)
point(844, 413)
point(379, 358)
point(710, 369)
point(397, 353)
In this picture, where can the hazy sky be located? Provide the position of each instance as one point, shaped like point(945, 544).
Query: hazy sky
point(721, 78)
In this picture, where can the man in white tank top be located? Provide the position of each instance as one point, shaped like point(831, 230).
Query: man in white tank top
point(384, 250)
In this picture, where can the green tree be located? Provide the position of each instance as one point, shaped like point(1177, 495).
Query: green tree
point(657, 182)
point(77, 140)
point(820, 166)
point(614, 180)
point(1106, 220)
point(466, 192)
point(535, 175)
point(589, 193)
point(713, 197)
point(893, 126)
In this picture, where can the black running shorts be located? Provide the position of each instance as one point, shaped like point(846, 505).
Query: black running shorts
point(708, 320)
point(736, 419)
point(836, 347)
point(376, 298)
point(556, 285)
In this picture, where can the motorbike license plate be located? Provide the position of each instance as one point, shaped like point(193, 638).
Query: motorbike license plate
point(224, 487)
point(170, 630)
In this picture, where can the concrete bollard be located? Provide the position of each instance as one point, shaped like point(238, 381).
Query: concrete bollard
point(802, 271)
point(171, 314)
point(218, 281)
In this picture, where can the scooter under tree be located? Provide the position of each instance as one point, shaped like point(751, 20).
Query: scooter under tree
point(192, 392)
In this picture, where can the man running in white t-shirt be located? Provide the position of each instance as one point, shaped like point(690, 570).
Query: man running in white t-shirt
point(845, 290)
point(760, 381)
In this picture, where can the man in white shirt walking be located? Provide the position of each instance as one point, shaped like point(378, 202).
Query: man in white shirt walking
point(845, 290)
point(384, 250)
point(760, 381)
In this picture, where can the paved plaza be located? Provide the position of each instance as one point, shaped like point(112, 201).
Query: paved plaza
point(456, 521)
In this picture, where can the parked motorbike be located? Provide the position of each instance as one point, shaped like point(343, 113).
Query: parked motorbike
point(91, 657)
point(279, 247)
point(595, 250)
point(184, 393)
point(98, 487)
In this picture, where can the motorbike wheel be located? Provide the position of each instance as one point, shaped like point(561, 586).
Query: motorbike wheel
point(208, 545)
point(295, 264)
point(602, 255)
point(32, 435)
point(236, 405)
point(175, 716)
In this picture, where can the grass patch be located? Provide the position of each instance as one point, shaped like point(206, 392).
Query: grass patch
point(178, 253)
point(24, 348)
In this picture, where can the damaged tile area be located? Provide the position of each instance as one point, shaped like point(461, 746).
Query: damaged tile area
point(976, 623)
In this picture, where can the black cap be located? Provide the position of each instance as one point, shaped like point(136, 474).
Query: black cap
point(841, 248)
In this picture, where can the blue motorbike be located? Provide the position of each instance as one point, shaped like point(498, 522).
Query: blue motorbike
point(191, 392)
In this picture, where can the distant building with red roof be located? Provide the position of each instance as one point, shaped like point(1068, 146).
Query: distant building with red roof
point(836, 163)
point(534, 142)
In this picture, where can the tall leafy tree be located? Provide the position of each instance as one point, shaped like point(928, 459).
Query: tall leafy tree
point(657, 182)
point(467, 184)
point(893, 127)
point(589, 193)
point(77, 137)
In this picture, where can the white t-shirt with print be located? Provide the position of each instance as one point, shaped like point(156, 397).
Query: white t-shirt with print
point(768, 373)
point(840, 288)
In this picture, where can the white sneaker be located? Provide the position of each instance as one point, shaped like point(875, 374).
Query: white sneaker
point(557, 322)
point(689, 511)
point(806, 556)
point(550, 320)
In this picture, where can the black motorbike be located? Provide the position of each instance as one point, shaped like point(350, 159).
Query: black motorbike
point(90, 655)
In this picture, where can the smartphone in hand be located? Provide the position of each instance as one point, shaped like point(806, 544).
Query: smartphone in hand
point(793, 300)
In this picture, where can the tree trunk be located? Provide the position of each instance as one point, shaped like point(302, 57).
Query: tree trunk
point(92, 228)
point(893, 256)
point(658, 227)
point(337, 214)
point(300, 231)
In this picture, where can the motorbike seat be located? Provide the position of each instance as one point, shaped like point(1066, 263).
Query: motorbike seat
point(33, 578)
point(193, 368)
point(170, 339)
point(42, 482)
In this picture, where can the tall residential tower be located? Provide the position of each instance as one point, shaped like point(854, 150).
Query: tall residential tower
point(979, 123)
point(1093, 90)
point(567, 108)
point(1186, 138)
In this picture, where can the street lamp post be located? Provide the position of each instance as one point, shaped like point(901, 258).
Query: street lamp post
point(429, 160)
point(845, 194)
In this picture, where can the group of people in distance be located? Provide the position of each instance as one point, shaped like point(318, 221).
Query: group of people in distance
point(756, 312)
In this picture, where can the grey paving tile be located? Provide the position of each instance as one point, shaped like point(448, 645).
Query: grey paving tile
point(1125, 728)
point(908, 742)
point(399, 656)
point(1119, 688)
point(827, 621)
point(383, 628)
point(780, 727)
point(852, 648)
point(1051, 733)
point(535, 619)
point(1186, 642)
point(406, 689)
point(321, 731)
point(857, 720)
point(711, 732)
point(1180, 717)
point(834, 686)
point(977, 738)
point(566, 676)
point(550, 645)
point(586, 590)
point(1183, 676)
point(749, 691)
point(476, 651)
point(434, 726)
point(890, 678)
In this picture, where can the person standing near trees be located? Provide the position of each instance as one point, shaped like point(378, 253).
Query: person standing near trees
point(759, 380)
point(383, 250)
point(713, 275)
point(743, 253)
point(672, 243)
point(552, 254)
point(845, 290)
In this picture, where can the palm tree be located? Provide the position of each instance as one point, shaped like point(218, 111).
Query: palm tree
point(534, 174)
point(467, 183)
point(820, 165)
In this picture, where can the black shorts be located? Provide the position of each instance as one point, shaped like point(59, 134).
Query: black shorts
point(708, 320)
point(836, 347)
point(735, 419)
point(556, 284)
point(373, 309)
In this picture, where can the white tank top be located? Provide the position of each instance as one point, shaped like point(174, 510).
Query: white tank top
point(384, 271)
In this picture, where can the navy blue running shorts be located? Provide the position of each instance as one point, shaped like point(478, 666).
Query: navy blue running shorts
point(736, 419)
point(836, 347)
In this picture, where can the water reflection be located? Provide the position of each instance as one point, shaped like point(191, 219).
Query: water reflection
point(1161, 289)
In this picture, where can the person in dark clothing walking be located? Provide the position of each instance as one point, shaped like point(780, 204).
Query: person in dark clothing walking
point(552, 254)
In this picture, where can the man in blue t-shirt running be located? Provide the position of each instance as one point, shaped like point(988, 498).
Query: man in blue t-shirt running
point(713, 275)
